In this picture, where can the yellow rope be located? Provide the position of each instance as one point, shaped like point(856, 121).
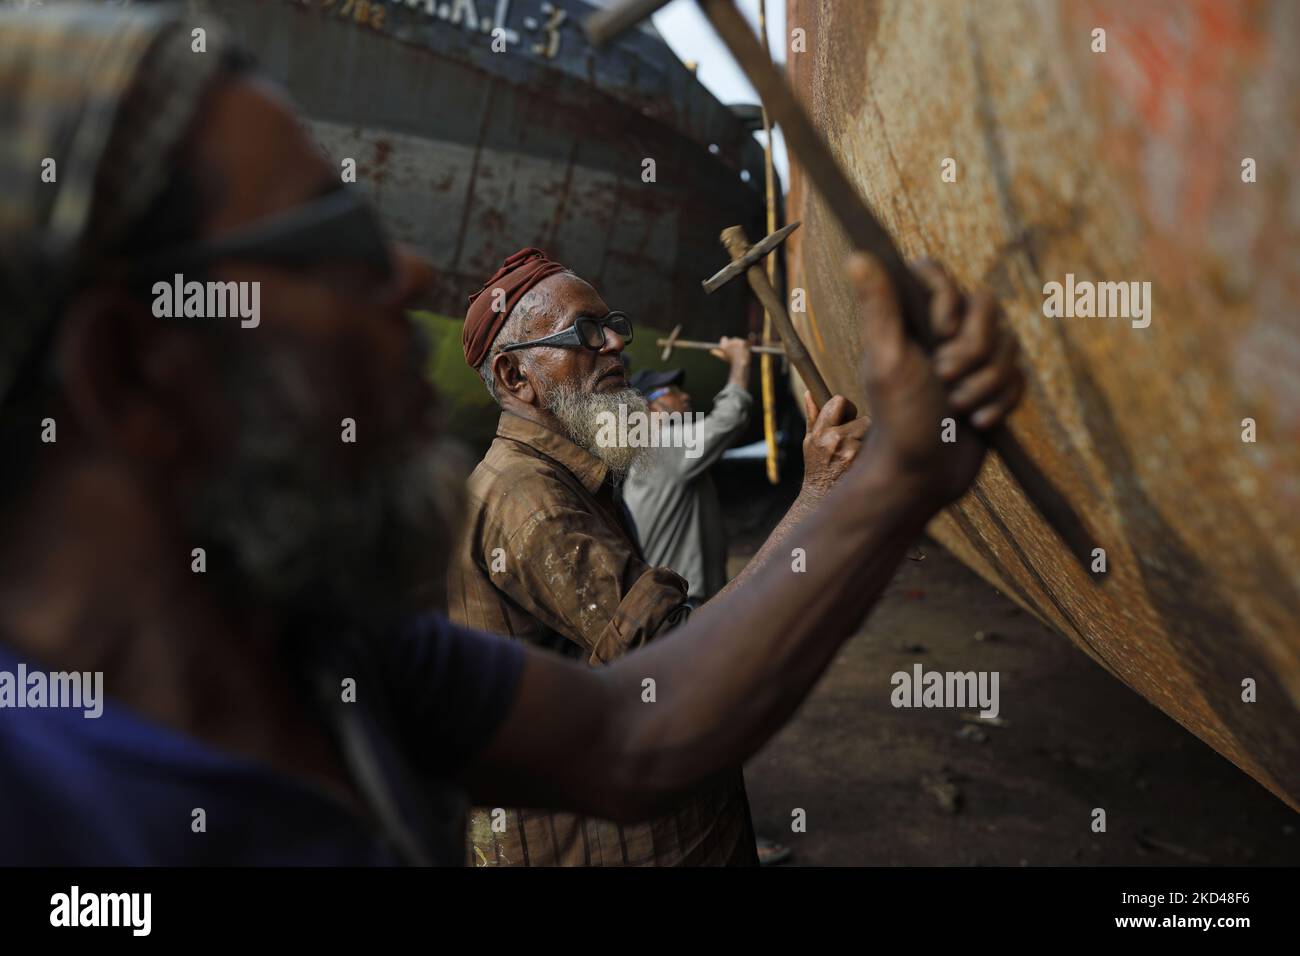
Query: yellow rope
point(766, 364)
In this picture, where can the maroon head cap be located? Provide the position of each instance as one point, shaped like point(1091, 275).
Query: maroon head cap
point(491, 305)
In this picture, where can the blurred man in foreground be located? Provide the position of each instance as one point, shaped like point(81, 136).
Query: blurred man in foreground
point(236, 524)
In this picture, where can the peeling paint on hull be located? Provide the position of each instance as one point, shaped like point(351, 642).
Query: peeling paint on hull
point(1116, 166)
point(470, 155)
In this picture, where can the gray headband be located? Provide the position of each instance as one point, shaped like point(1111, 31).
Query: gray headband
point(106, 93)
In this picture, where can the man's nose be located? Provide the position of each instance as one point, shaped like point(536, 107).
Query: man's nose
point(613, 341)
point(412, 275)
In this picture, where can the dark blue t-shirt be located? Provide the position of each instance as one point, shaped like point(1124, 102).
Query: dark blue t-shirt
point(122, 790)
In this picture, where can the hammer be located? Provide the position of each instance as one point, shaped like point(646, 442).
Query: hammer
point(860, 224)
point(674, 342)
point(747, 259)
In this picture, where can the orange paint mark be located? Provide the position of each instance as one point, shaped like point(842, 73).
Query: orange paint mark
point(1177, 64)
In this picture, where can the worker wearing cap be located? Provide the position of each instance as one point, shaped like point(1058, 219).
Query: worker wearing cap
point(669, 491)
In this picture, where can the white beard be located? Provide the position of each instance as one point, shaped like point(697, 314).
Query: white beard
point(582, 414)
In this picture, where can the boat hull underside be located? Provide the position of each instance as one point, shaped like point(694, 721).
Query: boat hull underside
point(1118, 166)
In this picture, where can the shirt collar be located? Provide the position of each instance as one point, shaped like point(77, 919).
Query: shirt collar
point(585, 466)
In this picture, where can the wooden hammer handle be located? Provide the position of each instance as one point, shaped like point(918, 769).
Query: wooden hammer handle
point(696, 344)
point(734, 238)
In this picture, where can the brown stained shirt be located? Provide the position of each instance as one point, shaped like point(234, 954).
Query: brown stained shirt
point(548, 557)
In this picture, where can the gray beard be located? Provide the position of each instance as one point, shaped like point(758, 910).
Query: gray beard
point(309, 533)
point(580, 414)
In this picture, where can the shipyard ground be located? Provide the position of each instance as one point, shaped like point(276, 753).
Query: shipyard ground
point(885, 786)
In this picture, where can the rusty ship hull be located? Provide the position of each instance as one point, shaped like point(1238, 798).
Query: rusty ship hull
point(1178, 440)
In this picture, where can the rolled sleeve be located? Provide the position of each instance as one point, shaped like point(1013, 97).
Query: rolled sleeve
point(719, 428)
point(731, 408)
point(656, 599)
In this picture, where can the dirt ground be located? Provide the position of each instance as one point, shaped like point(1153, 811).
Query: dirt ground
point(887, 786)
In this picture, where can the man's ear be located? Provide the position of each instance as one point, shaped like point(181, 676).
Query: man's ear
point(124, 373)
point(512, 379)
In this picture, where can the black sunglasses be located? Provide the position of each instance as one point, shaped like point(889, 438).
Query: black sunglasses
point(339, 225)
point(585, 333)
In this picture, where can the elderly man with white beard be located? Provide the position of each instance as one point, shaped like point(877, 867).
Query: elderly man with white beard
point(551, 555)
